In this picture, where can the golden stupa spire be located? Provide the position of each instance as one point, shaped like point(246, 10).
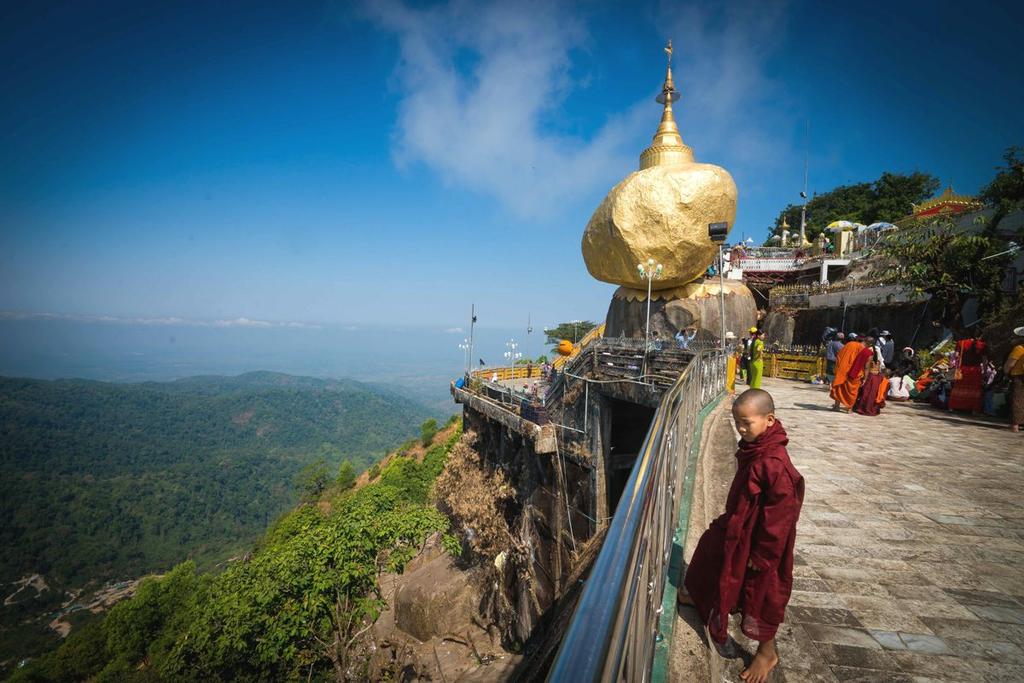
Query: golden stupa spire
point(667, 147)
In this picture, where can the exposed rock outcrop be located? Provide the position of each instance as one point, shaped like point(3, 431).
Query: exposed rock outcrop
point(672, 310)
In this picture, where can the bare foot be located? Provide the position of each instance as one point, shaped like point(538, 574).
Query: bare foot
point(760, 666)
point(1014, 428)
point(684, 599)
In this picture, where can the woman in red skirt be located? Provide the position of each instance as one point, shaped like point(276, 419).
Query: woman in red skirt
point(968, 392)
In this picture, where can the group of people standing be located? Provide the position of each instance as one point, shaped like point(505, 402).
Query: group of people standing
point(855, 367)
point(864, 372)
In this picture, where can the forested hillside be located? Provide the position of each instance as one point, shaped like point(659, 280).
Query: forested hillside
point(107, 480)
point(293, 608)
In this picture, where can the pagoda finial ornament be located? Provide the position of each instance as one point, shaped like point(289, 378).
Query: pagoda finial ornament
point(667, 146)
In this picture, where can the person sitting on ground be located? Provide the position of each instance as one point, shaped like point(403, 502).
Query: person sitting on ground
point(1014, 369)
point(871, 399)
point(744, 561)
point(850, 372)
point(900, 387)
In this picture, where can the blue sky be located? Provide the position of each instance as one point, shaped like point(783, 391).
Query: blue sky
point(386, 162)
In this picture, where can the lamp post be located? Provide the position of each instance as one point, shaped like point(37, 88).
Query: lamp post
point(575, 324)
point(718, 232)
point(651, 272)
point(529, 331)
point(512, 356)
point(466, 348)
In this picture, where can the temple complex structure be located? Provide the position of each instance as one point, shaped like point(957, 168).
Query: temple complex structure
point(946, 204)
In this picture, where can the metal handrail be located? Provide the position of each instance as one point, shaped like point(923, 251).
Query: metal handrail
point(614, 629)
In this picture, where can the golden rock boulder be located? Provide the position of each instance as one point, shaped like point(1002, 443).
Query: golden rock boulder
point(660, 212)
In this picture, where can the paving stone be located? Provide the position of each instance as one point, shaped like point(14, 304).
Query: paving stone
point(822, 615)
point(942, 608)
point(848, 674)
point(859, 657)
point(922, 642)
point(796, 676)
point(1008, 615)
point(840, 635)
point(864, 588)
point(923, 593)
point(942, 667)
point(890, 640)
point(1002, 651)
point(884, 614)
point(797, 652)
point(964, 628)
point(1014, 632)
point(808, 599)
point(969, 597)
point(810, 585)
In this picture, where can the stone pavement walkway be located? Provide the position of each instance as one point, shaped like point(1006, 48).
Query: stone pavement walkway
point(910, 547)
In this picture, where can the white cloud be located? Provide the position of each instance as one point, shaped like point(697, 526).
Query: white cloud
point(486, 127)
point(454, 330)
point(479, 82)
point(160, 322)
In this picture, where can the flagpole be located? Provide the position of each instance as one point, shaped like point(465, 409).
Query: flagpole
point(472, 323)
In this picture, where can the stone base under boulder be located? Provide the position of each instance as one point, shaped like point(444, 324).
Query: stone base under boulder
point(695, 304)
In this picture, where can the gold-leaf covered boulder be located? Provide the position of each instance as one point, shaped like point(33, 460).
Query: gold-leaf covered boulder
point(660, 212)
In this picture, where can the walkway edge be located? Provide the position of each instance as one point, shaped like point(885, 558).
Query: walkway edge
point(667, 620)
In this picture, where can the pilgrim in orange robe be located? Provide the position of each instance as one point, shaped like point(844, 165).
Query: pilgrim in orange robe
point(744, 561)
point(847, 381)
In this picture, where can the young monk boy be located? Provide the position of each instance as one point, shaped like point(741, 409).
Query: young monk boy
point(744, 561)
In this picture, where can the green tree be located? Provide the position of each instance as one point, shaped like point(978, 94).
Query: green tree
point(887, 199)
point(1005, 192)
point(346, 476)
point(893, 195)
point(374, 471)
point(427, 431)
point(953, 266)
point(573, 331)
point(311, 481)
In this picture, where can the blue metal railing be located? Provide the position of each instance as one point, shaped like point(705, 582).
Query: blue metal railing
point(615, 627)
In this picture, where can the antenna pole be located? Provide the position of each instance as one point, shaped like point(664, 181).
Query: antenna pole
point(803, 209)
point(472, 323)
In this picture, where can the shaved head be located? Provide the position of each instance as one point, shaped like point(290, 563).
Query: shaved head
point(756, 401)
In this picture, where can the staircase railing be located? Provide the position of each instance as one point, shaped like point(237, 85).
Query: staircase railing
point(614, 630)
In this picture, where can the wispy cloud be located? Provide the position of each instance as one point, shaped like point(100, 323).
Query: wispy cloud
point(455, 330)
point(485, 126)
point(732, 110)
point(157, 322)
point(479, 82)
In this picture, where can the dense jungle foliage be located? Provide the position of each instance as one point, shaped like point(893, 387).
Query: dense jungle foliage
point(294, 608)
point(107, 481)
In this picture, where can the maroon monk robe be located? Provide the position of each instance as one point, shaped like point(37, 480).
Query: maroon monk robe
point(866, 354)
point(759, 527)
